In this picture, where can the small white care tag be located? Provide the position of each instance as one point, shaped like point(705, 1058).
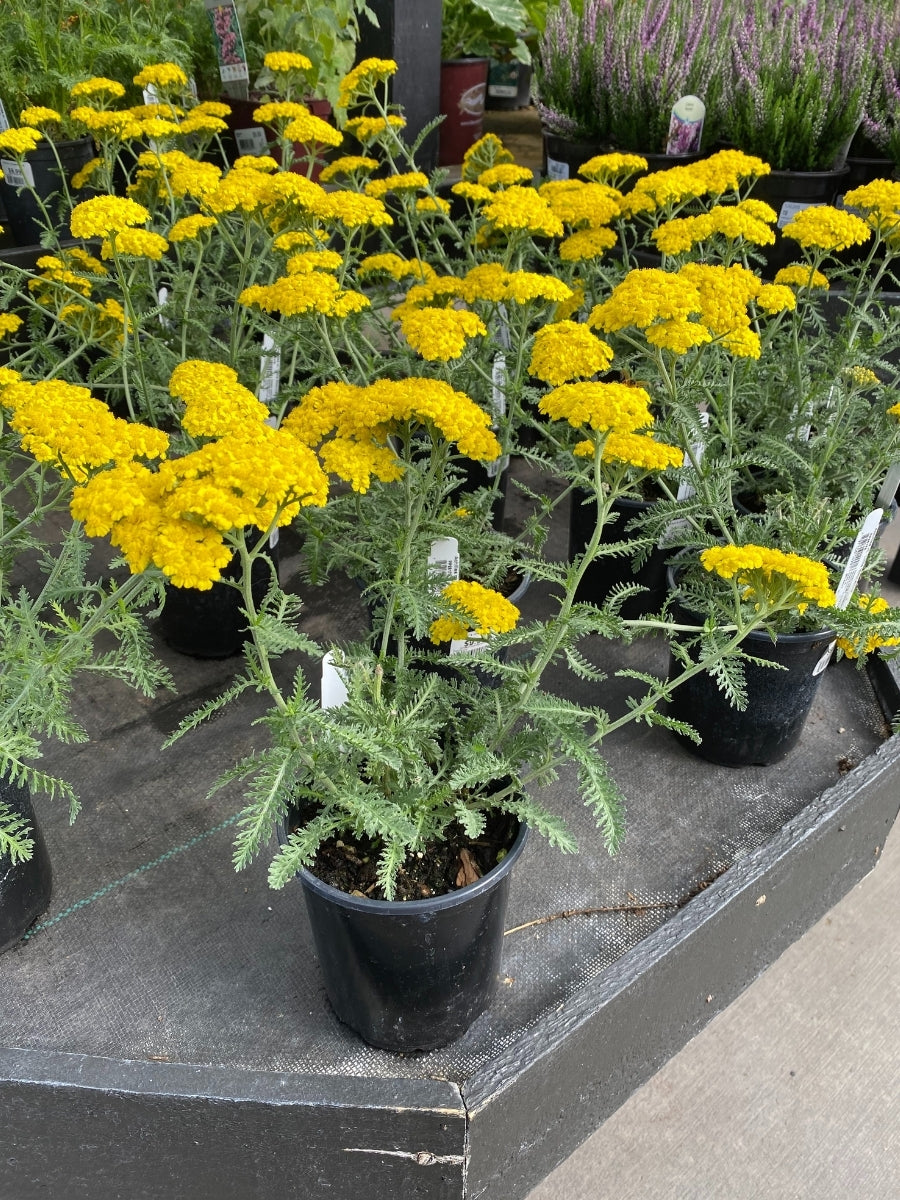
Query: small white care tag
point(686, 125)
point(557, 170)
point(269, 371)
point(251, 141)
point(151, 95)
point(825, 659)
point(857, 560)
point(334, 690)
point(789, 210)
point(162, 297)
point(498, 402)
point(466, 645)
point(4, 119)
point(443, 561)
point(17, 174)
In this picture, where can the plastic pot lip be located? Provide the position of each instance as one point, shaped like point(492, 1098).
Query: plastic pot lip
point(397, 908)
point(762, 635)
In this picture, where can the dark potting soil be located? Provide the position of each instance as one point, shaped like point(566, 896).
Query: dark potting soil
point(349, 863)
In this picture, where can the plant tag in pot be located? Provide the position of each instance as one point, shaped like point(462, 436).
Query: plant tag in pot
point(789, 210)
point(252, 142)
point(852, 571)
point(467, 645)
point(17, 175)
point(4, 119)
point(233, 70)
point(557, 170)
point(498, 404)
point(269, 371)
point(686, 125)
point(443, 562)
point(685, 491)
point(334, 690)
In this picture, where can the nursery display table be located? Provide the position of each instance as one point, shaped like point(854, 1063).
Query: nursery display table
point(164, 1033)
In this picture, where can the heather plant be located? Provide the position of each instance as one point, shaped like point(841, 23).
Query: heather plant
point(799, 79)
point(881, 121)
point(609, 71)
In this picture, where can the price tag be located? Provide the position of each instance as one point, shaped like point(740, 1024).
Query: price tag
point(686, 125)
point(557, 170)
point(251, 141)
point(269, 371)
point(466, 645)
point(443, 561)
point(334, 690)
point(17, 175)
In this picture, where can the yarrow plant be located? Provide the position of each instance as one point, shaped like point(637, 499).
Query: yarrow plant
point(348, 358)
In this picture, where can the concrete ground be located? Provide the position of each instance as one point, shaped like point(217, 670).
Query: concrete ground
point(793, 1093)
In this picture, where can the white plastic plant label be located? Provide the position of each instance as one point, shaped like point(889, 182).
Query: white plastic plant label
point(269, 371)
point(4, 119)
point(17, 175)
point(272, 422)
point(686, 125)
point(789, 210)
point(557, 170)
point(443, 561)
point(251, 142)
point(334, 690)
point(889, 487)
point(685, 490)
point(162, 299)
point(466, 645)
point(498, 405)
point(859, 552)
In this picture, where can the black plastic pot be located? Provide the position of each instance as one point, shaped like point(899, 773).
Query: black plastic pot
point(606, 571)
point(210, 624)
point(778, 701)
point(788, 192)
point(24, 886)
point(23, 214)
point(411, 975)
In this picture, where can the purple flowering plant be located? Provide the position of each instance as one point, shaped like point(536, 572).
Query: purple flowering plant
point(609, 71)
point(879, 133)
point(799, 79)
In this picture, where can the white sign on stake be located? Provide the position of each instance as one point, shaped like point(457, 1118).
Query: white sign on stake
point(334, 690)
point(850, 576)
point(269, 371)
point(443, 562)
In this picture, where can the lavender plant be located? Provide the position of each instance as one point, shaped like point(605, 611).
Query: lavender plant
point(609, 71)
point(880, 128)
point(802, 72)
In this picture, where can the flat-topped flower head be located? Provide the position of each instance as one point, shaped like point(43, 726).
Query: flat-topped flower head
point(409, 181)
point(589, 205)
point(19, 142)
point(521, 210)
point(38, 114)
point(102, 215)
point(764, 572)
point(617, 407)
point(644, 296)
point(802, 275)
point(369, 129)
point(97, 85)
point(825, 228)
point(134, 243)
point(639, 450)
point(440, 334)
point(283, 61)
point(310, 130)
point(164, 76)
point(350, 165)
point(364, 78)
point(565, 351)
point(492, 282)
point(481, 611)
point(612, 169)
point(279, 112)
point(215, 402)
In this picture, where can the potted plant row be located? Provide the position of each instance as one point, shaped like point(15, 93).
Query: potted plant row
point(337, 356)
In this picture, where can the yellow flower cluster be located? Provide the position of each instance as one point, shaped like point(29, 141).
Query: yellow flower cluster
point(350, 164)
point(81, 178)
point(353, 210)
point(754, 567)
point(188, 228)
point(103, 215)
point(411, 181)
point(310, 130)
point(162, 76)
point(215, 403)
point(312, 292)
point(9, 323)
point(98, 86)
point(134, 243)
point(367, 414)
point(586, 244)
point(396, 267)
point(731, 222)
point(644, 296)
point(636, 450)
point(853, 648)
point(586, 205)
point(64, 425)
point(825, 228)
point(802, 275)
point(567, 350)
point(19, 142)
point(522, 210)
point(368, 129)
point(313, 260)
point(505, 175)
point(719, 173)
point(616, 407)
point(612, 168)
point(439, 334)
point(363, 78)
point(482, 611)
point(492, 282)
point(38, 114)
point(725, 293)
point(279, 111)
point(286, 60)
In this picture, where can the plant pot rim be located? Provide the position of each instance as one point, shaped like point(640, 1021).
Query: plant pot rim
point(396, 908)
point(468, 60)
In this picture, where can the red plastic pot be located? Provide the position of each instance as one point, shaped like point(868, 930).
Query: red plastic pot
point(463, 91)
